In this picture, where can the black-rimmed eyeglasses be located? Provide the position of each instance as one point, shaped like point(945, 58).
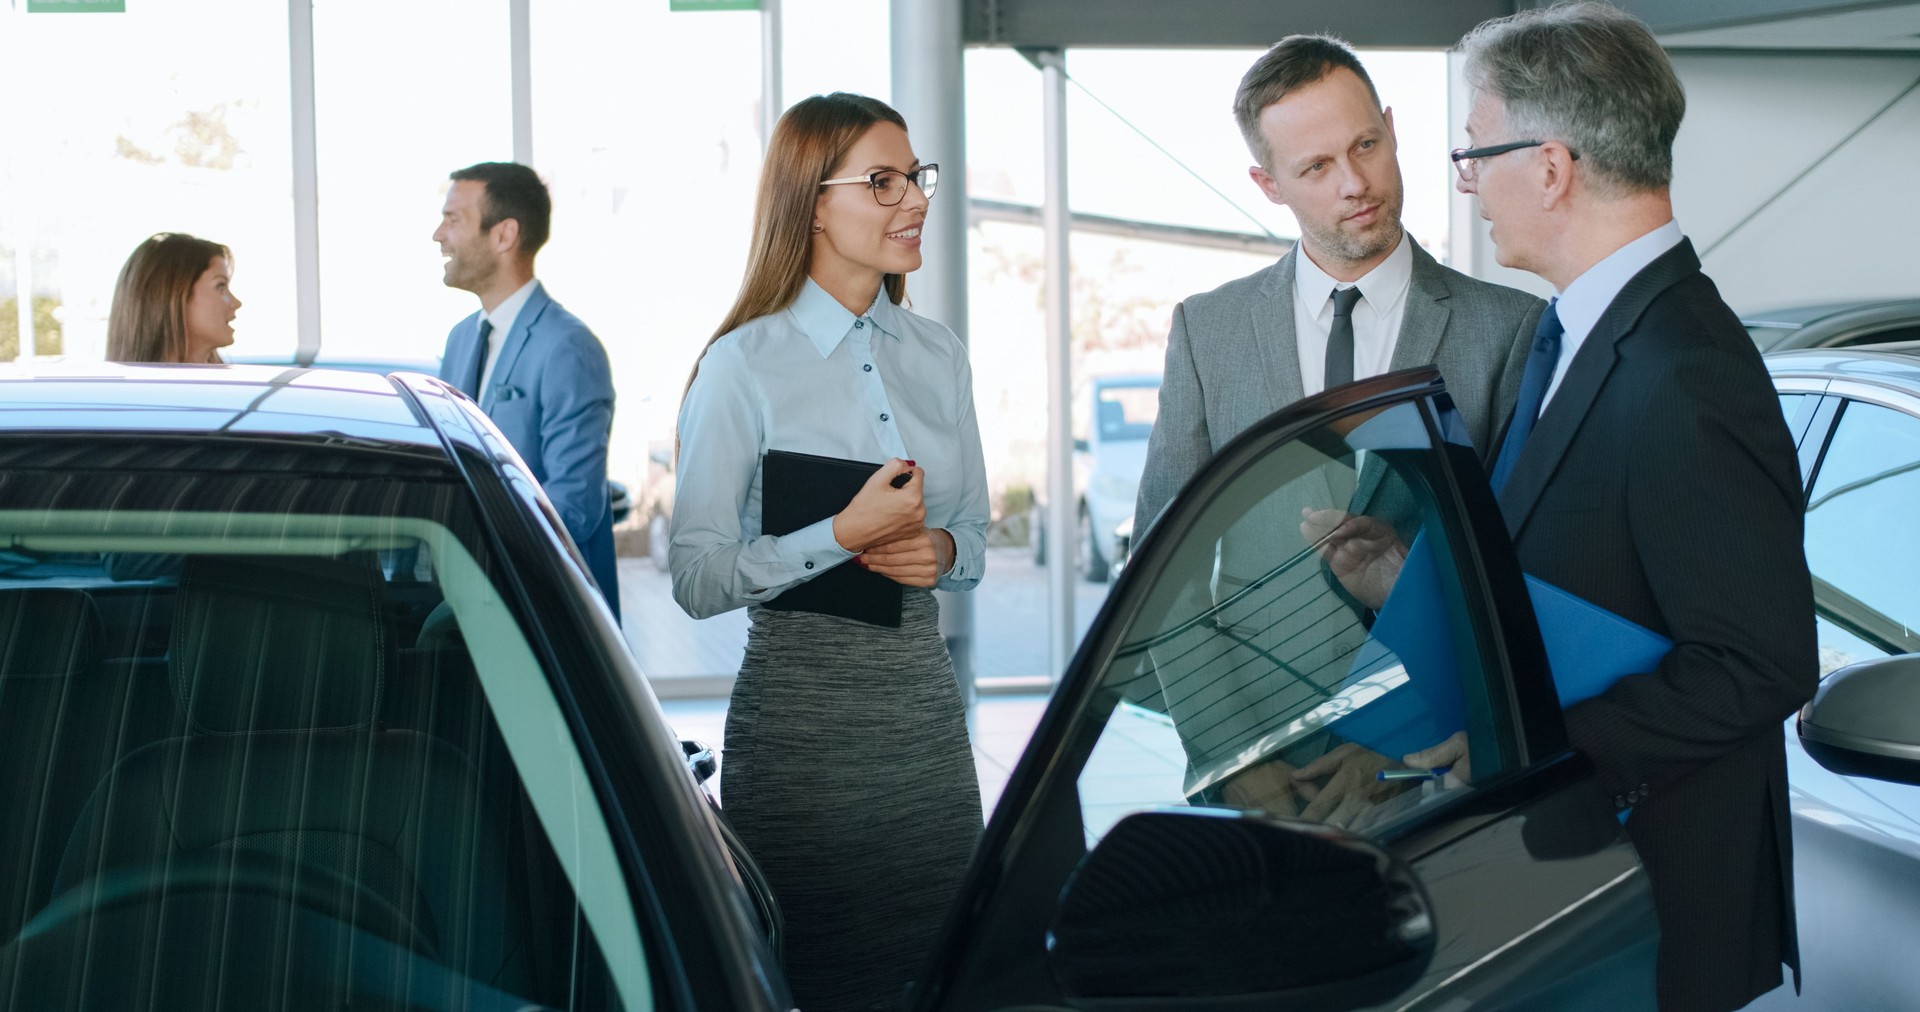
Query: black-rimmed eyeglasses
point(889, 186)
point(1463, 158)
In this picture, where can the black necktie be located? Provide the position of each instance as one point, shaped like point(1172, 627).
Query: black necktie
point(479, 360)
point(1340, 339)
point(1541, 360)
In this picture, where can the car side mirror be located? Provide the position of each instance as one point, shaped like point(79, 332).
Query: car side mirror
point(701, 762)
point(1865, 720)
point(1200, 908)
point(620, 500)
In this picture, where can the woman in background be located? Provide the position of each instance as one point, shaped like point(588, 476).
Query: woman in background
point(174, 302)
point(849, 773)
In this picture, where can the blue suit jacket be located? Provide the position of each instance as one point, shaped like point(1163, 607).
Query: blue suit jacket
point(551, 394)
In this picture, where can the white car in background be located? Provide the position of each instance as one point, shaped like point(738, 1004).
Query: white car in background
point(1112, 417)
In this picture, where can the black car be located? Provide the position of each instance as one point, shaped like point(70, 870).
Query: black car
point(1835, 325)
point(306, 701)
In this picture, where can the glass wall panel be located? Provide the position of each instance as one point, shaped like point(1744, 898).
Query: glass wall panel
point(404, 94)
point(172, 116)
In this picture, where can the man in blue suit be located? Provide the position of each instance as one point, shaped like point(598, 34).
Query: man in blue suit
point(534, 368)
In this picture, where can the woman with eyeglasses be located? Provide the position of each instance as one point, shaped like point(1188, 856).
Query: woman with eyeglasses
point(848, 770)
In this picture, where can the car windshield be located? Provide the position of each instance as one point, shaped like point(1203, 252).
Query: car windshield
point(269, 726)
point(1127, 411)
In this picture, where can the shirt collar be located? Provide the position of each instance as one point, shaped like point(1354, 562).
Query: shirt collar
point(1587, 298)
point(826, 322)
point(1382, 288)
point(504, 314)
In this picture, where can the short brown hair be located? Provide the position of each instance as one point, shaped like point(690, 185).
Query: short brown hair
point(512, 190)
point(1294, 62)
point(148, 321)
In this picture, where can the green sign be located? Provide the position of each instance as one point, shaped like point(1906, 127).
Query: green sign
point(76, 6)
point(713, 5)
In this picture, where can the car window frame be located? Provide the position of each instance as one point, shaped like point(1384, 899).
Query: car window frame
point(1503, 616)
point(1830, 414)
point(701, 931)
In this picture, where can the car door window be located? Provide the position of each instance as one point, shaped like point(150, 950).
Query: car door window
point(1249, 657)
point(1862, 545)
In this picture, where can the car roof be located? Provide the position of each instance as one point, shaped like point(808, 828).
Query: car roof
point(258, 401)
point(1896, 364)
point(1793, 317)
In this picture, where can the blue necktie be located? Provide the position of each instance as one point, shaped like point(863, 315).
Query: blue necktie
point(1541, 360)
point(479, 360)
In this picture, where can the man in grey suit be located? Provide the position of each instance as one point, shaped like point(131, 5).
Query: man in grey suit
point(1254, 345)
point(1356, 297)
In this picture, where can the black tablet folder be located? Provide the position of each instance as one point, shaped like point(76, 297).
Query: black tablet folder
point(799, 489)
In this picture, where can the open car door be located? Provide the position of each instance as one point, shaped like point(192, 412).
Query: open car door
point(1153, 849)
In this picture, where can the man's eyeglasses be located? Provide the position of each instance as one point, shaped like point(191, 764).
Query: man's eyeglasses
point(1463, 158)
point(889, 186)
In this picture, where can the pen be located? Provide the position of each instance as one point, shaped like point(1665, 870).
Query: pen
point(900, 480)
point(1413, 773)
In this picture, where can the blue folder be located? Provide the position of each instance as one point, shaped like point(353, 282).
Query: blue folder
point(1588, 649)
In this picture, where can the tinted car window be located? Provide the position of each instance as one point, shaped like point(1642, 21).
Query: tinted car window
point(1862, 544)
point(269, 727)
point(1248, 658)
point(1887, 336)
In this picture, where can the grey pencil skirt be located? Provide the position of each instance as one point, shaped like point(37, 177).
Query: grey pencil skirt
point(849, 775)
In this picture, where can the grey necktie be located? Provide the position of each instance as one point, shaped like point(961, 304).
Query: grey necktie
point(1340, 338)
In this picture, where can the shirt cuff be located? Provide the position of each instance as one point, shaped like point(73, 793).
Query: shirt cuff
point(811, 550)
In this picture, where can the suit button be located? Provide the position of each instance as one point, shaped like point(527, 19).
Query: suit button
point(1619, 801)
point(1643, 790)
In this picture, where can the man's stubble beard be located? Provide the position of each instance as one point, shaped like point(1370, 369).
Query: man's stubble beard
point(1349, 249)
point(468, 274)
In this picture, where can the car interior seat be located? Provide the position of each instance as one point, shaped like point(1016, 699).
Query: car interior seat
point(287, 780)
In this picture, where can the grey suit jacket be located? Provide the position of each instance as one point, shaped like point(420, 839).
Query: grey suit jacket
point(1231, 361)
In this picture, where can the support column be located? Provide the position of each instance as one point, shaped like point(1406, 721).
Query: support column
point(520, 60)
point(772, 38)
point(1063, 520)
point(929, 90)
point(13, 173)
point(306, 182)
point(23, 287)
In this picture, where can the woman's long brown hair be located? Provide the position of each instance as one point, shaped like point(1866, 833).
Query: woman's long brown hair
point(810, 139)
point(148, 321)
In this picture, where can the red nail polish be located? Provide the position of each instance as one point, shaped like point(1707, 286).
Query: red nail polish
point(912, 463)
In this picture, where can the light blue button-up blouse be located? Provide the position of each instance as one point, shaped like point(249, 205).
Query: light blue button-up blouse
point(814, 378)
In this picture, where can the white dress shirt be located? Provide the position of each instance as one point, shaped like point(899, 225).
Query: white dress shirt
point(1376, 317)
point(502, 318)
point(1587, 298)
point(815, 378)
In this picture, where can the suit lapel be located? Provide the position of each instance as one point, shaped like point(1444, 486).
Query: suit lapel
point(1422, 326)
point(1273, 335)
point(458, 369)
point(1425, 321)
point(516, 342)
point(1585, 378)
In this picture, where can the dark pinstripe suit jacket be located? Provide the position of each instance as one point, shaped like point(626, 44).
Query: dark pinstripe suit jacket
point(1660, 482)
